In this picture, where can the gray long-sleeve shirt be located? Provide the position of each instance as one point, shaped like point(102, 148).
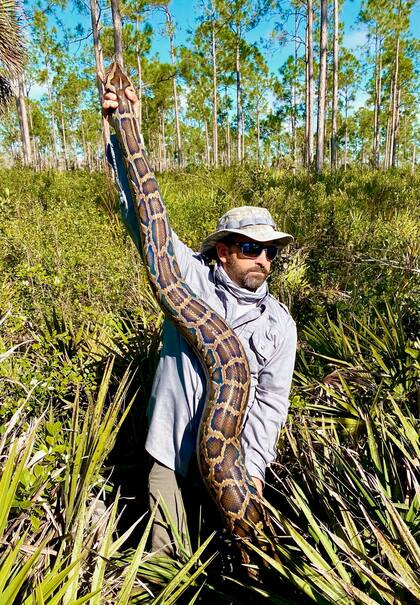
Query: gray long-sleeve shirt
point(268, 334)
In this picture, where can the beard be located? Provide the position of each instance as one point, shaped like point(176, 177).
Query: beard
point(250, 279)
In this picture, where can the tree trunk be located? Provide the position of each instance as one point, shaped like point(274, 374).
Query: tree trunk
point(322, 87)
point(159, 142)
point(100, 71)
point(346, 132)
point(89, 163)
point(395, 107)
point(64, 138)
point(170, 26)
point(34, 147)
point(84, 145)
point(387, 155)
point(238, 103)
point(163, 135)
point(278, 155)
point(140, 80)
point(52, 117)
point(378, 100)
point(98, 157)
point(53, 131)
point(396, 129)
point(140, 83)
point(309, 141)
point(207, 144)
point(116, 20)
point(404, 138)
point(23, 123)
point(258, 135)
point(229, 157)
point(293, 115)
point(215, 133)
point(243, 136)
point(334, 118)
point(140, 91)
point(149, 135)
point(388, 136)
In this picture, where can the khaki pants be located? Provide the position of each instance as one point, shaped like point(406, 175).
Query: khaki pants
point(181, 494)
point(164, 485)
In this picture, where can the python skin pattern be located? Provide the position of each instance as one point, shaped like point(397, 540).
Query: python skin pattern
point(219, 450)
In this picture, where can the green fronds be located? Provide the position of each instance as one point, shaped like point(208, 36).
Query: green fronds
point(347, 491)
point(49, 519)
point(12, 52)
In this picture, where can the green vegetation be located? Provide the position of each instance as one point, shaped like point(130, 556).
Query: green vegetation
point(79, 337)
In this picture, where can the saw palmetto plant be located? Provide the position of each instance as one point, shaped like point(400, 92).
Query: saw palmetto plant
point(52, 515)
point(12, 53)
point(347, 488)
point(59, 541)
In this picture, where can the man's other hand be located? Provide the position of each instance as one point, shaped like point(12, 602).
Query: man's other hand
point(259, 485)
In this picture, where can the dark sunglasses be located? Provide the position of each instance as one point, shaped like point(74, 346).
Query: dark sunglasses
point(253, 249)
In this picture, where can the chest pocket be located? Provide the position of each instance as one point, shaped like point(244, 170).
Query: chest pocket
point(262, 345)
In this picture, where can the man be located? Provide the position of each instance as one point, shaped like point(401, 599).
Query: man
point(243, 245)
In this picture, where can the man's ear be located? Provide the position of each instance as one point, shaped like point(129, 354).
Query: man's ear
point(221, 251)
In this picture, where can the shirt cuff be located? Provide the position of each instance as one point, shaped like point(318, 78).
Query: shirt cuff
point(254, 470)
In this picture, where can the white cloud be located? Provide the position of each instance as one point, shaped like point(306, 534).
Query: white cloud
point(37, 91)
point(355, 38)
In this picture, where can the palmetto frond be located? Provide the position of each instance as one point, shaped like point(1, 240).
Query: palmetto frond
point(12, 51)
point(6, 92)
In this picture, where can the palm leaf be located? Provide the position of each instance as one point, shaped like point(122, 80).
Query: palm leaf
point(11, 45)
point(406, 575)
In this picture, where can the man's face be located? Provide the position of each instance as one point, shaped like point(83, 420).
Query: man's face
point(249, 273)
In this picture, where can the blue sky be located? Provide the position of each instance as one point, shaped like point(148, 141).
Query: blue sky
point(185, 14)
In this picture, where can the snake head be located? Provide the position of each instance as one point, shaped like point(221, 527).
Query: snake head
point(117, 82)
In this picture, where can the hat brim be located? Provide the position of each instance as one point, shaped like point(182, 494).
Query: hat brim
point(258, 233)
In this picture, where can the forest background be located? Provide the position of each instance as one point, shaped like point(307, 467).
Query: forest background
point(322, 133)
point(249, 81)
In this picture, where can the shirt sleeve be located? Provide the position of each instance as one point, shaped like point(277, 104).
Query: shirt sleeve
point(268, 411)
point(184, 254)
point(127, 208)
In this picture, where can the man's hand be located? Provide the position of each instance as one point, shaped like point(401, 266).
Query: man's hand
point(258, 484)
point(110, 101)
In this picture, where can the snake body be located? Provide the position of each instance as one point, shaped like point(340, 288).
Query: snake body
point(219, 450)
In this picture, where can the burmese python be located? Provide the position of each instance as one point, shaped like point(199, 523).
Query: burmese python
point(219, 450)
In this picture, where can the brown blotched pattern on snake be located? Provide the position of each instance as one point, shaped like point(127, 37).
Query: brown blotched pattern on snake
point(219, 449)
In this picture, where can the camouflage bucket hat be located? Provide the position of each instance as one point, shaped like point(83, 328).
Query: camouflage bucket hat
point(251, 221)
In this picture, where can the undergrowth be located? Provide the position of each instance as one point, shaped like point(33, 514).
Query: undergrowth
point(79, 342)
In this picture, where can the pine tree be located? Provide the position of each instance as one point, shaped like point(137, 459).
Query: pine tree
point(240, 16)
point(322, 87)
